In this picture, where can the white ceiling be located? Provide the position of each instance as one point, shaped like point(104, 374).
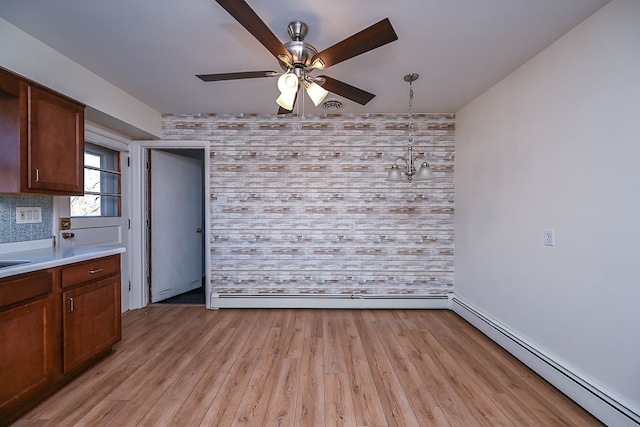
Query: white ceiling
point(153, 49)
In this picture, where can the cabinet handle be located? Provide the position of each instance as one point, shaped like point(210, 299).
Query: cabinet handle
point(95, 271)
point(37, 174)
point(70, 304)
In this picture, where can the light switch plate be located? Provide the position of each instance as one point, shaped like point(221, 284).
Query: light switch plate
point(28, 215)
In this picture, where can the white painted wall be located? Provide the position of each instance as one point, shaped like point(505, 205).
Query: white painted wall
point(107, 104)
point(556, 144)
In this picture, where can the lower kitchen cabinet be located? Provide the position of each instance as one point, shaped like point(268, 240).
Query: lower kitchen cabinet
point(27, 357)
point(54, 324)
point(91, 321)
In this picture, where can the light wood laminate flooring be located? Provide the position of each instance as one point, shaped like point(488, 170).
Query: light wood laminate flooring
point(188, 366)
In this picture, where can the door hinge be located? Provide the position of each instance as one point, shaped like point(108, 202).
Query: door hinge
point(148, 280)
point(128, 224)
point(128, 161)
point(129, 285)
point(149, 224)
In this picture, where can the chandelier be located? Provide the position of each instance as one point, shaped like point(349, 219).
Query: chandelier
point(424, 172)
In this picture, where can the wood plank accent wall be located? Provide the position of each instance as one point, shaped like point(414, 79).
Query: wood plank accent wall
point(301, 206)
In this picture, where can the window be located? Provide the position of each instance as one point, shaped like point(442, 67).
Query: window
point(101, 184)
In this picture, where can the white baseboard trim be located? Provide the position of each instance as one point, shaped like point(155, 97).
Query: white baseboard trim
point(602, 404)
point(336, 301)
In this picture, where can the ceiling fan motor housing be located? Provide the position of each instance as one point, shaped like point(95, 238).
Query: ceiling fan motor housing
point(301, 52)
point(297, 30)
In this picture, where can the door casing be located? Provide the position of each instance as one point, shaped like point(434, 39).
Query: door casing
point(139, 238)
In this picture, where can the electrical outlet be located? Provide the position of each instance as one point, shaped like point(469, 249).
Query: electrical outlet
point(30, 215)
point(549, 237)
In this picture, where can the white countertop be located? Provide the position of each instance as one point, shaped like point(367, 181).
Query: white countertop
point(40, 259)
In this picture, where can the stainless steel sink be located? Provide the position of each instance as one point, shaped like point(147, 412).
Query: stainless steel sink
point(6, 263)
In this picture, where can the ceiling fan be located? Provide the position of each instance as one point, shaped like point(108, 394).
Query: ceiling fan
point(298, 58)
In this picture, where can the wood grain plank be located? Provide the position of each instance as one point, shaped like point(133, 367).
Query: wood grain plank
point(362, 385)
point(102, 413)
point(254, 402)
point(282, 404)
point(225, 404)
point(305, 368)
point(310, 410)
point(339, 406)
point(422, 401)
point(394, 400)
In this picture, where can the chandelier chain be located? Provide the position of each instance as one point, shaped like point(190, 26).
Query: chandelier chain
point(410, 113)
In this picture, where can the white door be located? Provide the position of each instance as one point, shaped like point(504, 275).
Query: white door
point(176, 224)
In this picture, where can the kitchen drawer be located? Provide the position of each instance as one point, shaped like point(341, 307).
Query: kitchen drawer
point(25, 286)
point(90, 270)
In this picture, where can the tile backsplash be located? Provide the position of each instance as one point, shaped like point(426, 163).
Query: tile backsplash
point(11, 232)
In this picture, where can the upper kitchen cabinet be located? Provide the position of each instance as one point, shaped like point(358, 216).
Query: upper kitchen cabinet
point(41, 139)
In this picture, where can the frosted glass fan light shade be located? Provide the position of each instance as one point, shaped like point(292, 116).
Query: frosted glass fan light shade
point(288, 83)
point(425, 172)
point(394, 174)
point(316, 92)
point(286, 100)
point(288, 87)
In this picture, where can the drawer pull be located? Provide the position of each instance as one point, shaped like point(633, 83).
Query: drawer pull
point(70, 305)
point(95, 271)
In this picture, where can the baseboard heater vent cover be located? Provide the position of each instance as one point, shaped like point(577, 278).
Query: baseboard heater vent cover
point(338, 301)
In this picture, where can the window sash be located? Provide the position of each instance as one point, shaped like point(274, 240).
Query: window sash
point(102, 194)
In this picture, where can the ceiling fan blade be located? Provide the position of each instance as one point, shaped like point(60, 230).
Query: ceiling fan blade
point(368, 39)
point(246, 17)
point(236, 76)
point(345, 90)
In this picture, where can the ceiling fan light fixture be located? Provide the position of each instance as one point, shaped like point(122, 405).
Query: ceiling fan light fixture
point(288, 83)
point(286, 100)
point(316, 92)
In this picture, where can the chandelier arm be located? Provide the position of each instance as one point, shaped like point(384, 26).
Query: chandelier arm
point(403, 159)
point(420, 156)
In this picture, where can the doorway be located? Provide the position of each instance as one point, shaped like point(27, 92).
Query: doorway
point(175, 220)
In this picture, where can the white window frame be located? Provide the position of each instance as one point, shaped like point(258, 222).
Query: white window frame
point(103, 230)
point(107, 189)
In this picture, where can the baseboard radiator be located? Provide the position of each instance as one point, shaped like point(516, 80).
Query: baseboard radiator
point(599, 402)
point(336, 301)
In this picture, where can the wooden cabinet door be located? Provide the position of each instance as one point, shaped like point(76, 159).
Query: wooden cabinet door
point(91, 320)
point(55, 149)
point(27, 351)
point(11, 127)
